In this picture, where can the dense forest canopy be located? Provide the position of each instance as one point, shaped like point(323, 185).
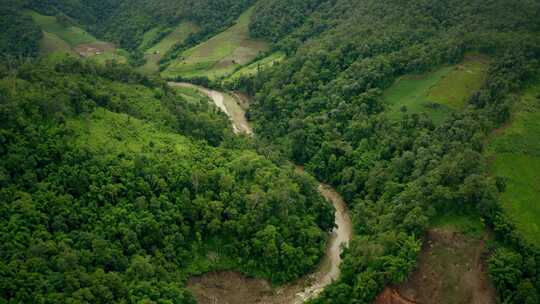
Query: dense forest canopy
point(116, 188)
point(19, 35)
point(94, 222)
point(324, 108)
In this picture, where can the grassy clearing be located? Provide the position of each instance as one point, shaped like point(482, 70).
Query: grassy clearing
point(455, 89)
point(154, 54)
point(220, 55)
point(52, 44)
point(437, 93)
point(258, 65)
point(191, 94)
point(72, 35)
point(73, 40)
point(515, 154)
point(110, 134)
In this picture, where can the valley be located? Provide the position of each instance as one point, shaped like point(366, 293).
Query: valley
point(271, 152)
point(260, 291)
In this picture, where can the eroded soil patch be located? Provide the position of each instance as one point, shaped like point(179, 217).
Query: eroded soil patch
point(451, 270)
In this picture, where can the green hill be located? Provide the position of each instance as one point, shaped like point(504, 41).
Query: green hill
point(220, 55)
point(69, 39)
point(117, 188)
point(438, 93)
point(122, 190)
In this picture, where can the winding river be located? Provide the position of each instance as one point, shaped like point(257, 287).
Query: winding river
point(227, 287)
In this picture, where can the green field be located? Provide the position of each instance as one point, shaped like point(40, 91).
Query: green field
point(220, 55)
point(258, 65)
point(72, 35)
point(111, 134)
point(69, 39)
point(51, 43)
point(154, 54)
point(437, 93)
point(514, 152)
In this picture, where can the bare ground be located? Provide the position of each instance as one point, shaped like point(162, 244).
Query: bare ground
point(92, 49)
point(451, 270)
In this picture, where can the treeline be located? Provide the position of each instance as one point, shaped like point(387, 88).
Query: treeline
point(323, 106)
point(83, 223)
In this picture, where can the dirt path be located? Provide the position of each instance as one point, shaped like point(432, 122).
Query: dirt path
point(228, 287)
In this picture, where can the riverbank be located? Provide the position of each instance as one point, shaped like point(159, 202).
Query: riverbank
point(231, 287)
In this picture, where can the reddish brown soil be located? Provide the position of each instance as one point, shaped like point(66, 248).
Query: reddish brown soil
point(451, 270)
point(392, 296)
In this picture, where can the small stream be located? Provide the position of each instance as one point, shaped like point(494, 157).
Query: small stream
point(233, 288)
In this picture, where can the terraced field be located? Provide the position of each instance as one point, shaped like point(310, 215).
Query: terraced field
point(220, 55)
point(514, 152)
point(437, 93)
point(154, 54)
point(73, 40)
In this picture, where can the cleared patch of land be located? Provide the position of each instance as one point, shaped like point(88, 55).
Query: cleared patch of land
point(450, 269)
point(66, 38)
point(514, 152)
point(154, 54)
point(437, 93)
point(50, 43)
point(72, 35)
point(112, 133)
point(220, 55)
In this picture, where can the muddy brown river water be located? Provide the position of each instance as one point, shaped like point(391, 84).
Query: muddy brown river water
point(228, 287)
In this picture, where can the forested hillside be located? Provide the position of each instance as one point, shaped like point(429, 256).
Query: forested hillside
point(113, 193)
point(125, 22)
point(19, 35)
point(324, 107)
point(118, 188)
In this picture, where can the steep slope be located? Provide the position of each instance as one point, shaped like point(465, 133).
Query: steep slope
point(63, 37)
point(324, 106)
point(117, 190)
point(221, 54)
point(514, 153)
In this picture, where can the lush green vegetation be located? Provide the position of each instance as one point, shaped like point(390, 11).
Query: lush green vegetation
point(469, 224)
point(64, 30)
point(118, 187)
point(19, 35)
point(253, 68)
point(154, 52)
point(125, 22)
point(220, 55)
point(325, 107)
point(114, 194)
point(514, 153)
point(438, 93)
point(62, 36)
